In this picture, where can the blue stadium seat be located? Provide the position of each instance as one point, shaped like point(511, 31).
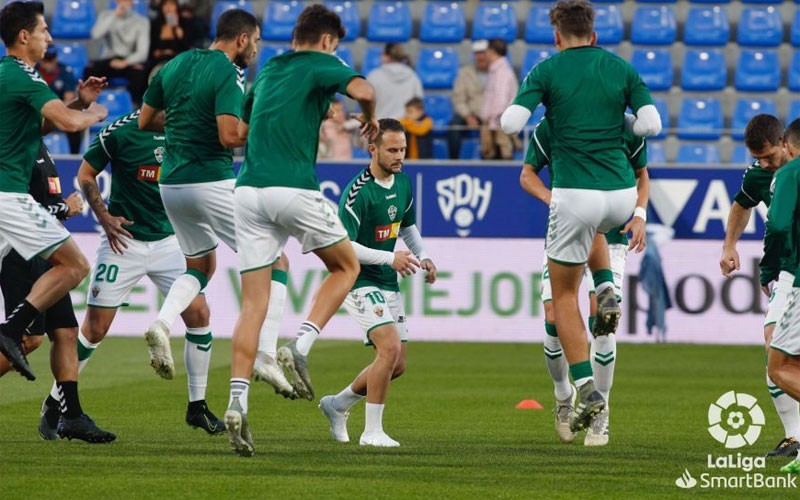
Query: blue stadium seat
point(760, 27)
point(118, 102)
point(656, 1)
point(140, 6)
point(663, 111)
point(372, 59)
point(351, 18)
point(654, 26)
point(221, 6)
point(654, 66)
point(707, 26)
point(537, 27)
point(794, 111)
point(2, 50)
point(757, 71)
point(267, 52)
point(608, 24)
point(793, 73)
point(57, 143)
point(709, 1)
point(762, 1)
point(73, 55)
point(440, 150)
point(442, 22)
point(494, 20)
point(279, 20)
point(700, 118)
point(745, 109)
point(73, 19)
point(794, 34)
point(345, 54)
point(703, 154)
point(741, 156)
point(389, 22)
point(532, 58)
point(704, 70)
point(437, 68)
point(440, 108)
point(470, 149)
point(655, 153)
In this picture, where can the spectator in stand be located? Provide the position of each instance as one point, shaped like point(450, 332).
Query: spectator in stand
point(126, 42)
point(467, 97)
point(336, 136)
point(63, 83)
point(501, 88)
point(419, 130)
point(395, 82)
point(170, 34)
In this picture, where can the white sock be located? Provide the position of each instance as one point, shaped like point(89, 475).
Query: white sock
point(602, 286)
point(604, 358)
point(788, 409)
point(197, 357)
point(181, 294)
point(268, 338)
point(240, 387)
point(374, 422)
point(85, 351)
point(346, 399)
point(306, 336)
point(557, 366)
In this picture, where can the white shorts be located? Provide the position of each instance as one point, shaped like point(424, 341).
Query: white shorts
point(114, 275)
point(201, 214)
point(576, 215)
point(787, 334)
point(373, 307)
point(547, 291)
point(780, 291)
point(619, 257)
point(28, 228)
point(266, 217)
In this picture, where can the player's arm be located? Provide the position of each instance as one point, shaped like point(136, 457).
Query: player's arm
point(536, 158)
point(228, 131)
point(531, 182)
point(58, 116)
point(778, 226)
point(87, 93)
point(530, 94)
point(637, 225)
point(737, 221)
point(363, 92)
point(413, 240)
point(112, 226)
point(645, 123)
point(151, 118)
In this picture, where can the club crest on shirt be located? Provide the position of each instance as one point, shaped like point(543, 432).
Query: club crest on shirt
point(392, 212)
point(95, 291)
point(378, 310)
point(159, 152)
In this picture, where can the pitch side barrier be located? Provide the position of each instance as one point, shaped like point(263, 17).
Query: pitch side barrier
point(486, 236)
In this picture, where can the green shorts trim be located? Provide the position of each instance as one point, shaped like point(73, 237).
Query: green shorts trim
point(565, 263)
point(201, 253)
point(249, 270)
point(325, 246)
point(52, 248)
point(106, 307)
point(770, 324)
point(792, 354)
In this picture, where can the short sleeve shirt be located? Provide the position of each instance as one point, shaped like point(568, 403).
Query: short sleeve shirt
point(755, 186)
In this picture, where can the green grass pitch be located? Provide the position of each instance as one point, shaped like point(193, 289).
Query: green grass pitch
point(453, 412)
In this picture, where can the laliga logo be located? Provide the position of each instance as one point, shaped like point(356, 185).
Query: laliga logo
point(463, 199)
point(686, 480)
point(735, 419)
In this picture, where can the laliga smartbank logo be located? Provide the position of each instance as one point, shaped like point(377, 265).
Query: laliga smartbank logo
point(735, 420)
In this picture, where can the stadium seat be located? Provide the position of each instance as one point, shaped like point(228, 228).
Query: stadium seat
point(470, 149)
point(140, 6)
point(494, 20)
point(654, 66)
point(73, 19)
point(279, 20)
point(532, 58)
point(760, 27)
point(57, 143)
point(608, 24)
point(710, 1)
point(700, 118)
point(703, 154)
point(793, 73)
point(372, 59)
point(221, 6)
point(440, 149)
point(794, 33)
point(442, 22)
point(707, 26)
point(794, 111)
point(537, 27)
point(389, 22)
point(663, 111)
point(437, 68)
point(741, 156)
point(2, 50)
point(653, 26)
point(267, 52)
point(704, 70)
point(351, 18)
point(656, 1)
point(745, 109)
point(118, 102)
point(440, 108)
point(655, 153)
point(757, 71)
point(345, 54)
point(73, 55)
point(762, 1)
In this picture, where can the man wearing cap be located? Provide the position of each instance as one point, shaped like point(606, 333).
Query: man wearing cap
point(467, 97)
point(395, 82)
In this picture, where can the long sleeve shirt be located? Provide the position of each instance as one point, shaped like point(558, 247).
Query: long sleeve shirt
point(782, 236)
point(501, 88)
point(126, 37)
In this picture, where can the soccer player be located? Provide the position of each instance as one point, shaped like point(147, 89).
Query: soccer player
point(781, 252)
point(277, 195)
point(615, 242)
point(377, 207)
point(763, 137)
point(586, 90)
point(202, 93)
point(138, 241)
point(58, 321)
point(29, 109)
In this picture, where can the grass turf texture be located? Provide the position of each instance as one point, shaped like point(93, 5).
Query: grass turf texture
point(453, 413)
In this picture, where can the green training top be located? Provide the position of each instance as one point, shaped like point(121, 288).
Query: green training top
point(194, 88)
point(538, 156)
point(23, 92)
point(586, 91)
point(135, 156)
point(373, 215)
point(755, 186)
point(783, 225)
point(285, 108)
